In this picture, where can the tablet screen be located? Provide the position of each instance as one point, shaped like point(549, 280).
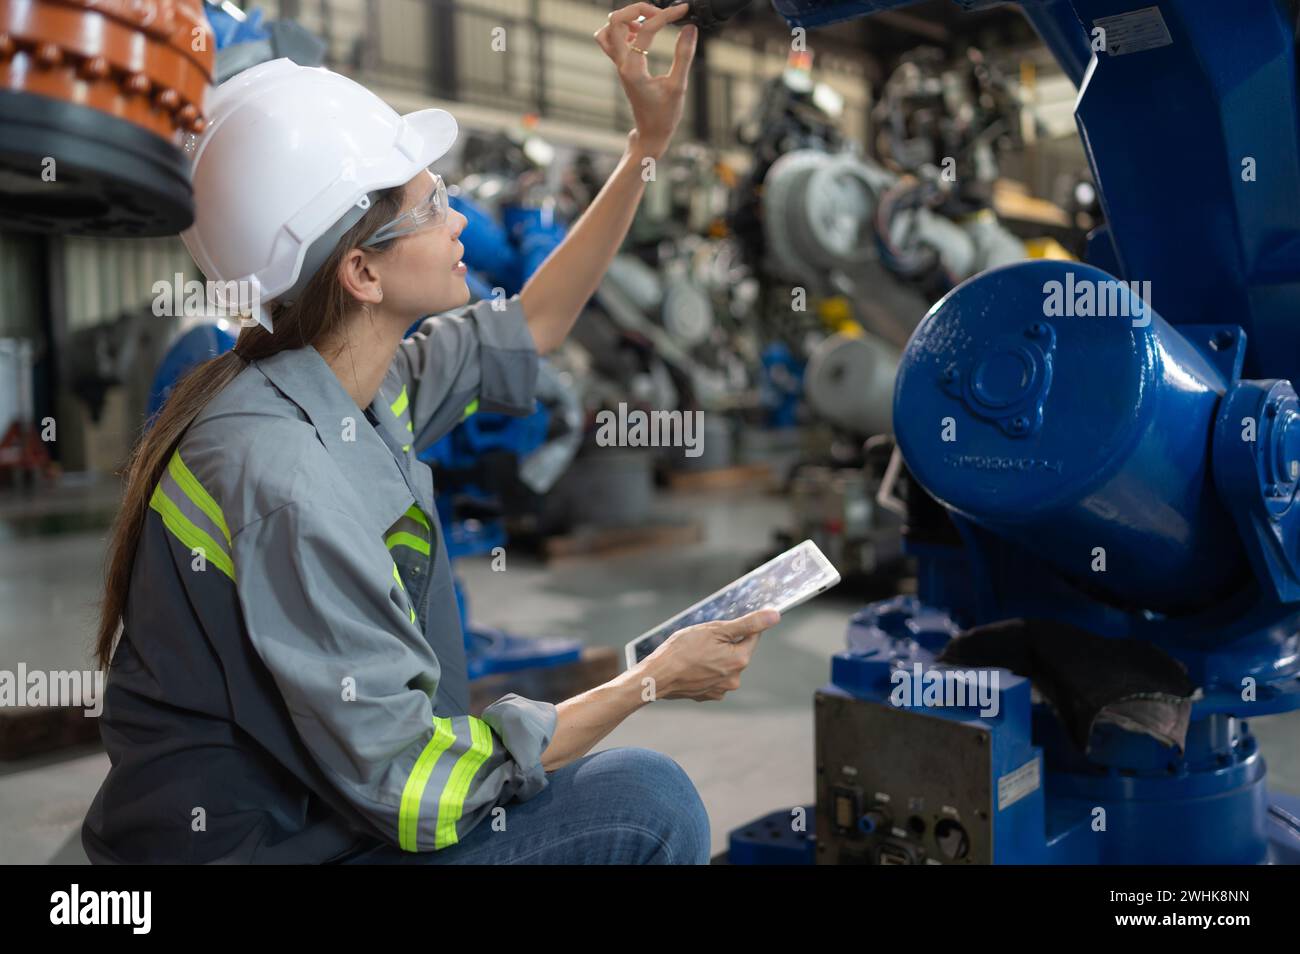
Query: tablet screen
point(783, 582)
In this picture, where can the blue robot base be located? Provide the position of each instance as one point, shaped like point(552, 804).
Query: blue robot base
point(778, 839)
point(920, 763)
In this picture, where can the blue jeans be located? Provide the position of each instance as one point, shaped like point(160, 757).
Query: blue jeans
point(617, 807)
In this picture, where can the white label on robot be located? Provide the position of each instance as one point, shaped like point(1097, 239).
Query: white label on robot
point(1014, 786)
point(1134, 31)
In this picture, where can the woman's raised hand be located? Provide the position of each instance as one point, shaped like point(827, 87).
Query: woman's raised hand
point(656, 100)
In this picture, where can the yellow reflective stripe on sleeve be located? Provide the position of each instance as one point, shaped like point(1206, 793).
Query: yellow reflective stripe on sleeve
point(451, 804)
point(194, 490)
point(410, 427)
point(402, 586)
point(408, 815)
point(187, 533)
point(404, 539)
point(398, 406)
point(405, 448)
point(416, 514)
point(470, 408)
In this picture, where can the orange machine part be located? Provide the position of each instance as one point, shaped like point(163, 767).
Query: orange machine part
point(149, 62)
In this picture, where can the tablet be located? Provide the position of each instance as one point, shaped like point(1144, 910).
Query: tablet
point(797, 575)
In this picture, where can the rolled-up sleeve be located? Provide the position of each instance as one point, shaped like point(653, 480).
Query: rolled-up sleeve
point(326, 612)
point(483, 353)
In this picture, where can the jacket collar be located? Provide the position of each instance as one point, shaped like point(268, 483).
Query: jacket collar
point(361, 455)
point(392, 425)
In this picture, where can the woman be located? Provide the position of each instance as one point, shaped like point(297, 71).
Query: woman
point(289, 679)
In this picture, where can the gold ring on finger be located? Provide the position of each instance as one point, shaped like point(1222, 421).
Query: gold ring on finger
point(641, 51)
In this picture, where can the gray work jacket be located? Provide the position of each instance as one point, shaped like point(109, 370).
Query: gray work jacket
point(290, 682)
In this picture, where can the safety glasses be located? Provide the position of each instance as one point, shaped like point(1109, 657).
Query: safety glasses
point(429, 214)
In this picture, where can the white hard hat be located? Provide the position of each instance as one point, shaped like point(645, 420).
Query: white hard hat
point(286, 166)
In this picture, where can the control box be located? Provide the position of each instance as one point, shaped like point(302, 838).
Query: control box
point(900, 787)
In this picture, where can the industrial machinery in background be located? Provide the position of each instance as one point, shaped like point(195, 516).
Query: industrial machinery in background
point(23, 455)
point(519, 194)
point(103, 356)
point(933, 115)
point(245, 39)
point(707, 14)
point(667, 330)
point(694, 298)
point(494, 469)
point(1116, 450)
point(815, 214)
point(851, 252)
point(95, 100)
point(853, 513)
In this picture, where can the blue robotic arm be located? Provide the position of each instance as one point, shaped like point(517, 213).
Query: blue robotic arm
point(1119, 451)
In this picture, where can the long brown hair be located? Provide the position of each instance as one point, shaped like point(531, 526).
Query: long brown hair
point(317, 314)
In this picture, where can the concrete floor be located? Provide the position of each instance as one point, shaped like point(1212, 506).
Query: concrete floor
point(747, 755)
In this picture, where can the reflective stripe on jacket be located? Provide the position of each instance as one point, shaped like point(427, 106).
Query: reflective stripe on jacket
point(290, 683)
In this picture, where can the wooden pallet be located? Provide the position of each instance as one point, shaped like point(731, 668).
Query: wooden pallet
point(606, 541)
point(549, 684)
point(723, 478)
point(30, 730)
